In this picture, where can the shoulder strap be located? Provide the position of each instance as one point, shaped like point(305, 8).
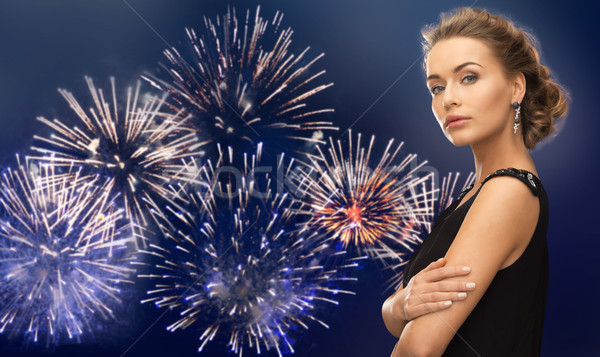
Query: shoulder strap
point(465, 190)
point(525, 176)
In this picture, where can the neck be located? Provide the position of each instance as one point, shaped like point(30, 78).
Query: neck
point(498, 152)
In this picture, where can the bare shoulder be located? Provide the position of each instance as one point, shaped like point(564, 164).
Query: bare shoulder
point(503, 217)
point(506, 198)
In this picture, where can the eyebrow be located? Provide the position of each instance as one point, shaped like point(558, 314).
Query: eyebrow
point(456, 69)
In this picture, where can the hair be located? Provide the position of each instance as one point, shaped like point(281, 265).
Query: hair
point(515, 49)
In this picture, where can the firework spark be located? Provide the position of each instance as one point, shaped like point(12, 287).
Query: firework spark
point(63, 255)
point(241, 91)
point(236, 265)
point(139, 150)
point(447, 191)
point(427, 222)
point(374, 210)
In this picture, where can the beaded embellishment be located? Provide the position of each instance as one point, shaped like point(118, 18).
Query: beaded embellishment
point(465, 190)
point(524, 175)
point(530, 178)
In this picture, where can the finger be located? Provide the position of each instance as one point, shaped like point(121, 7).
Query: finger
point(436, 264)
point(433, 265)
point(454, 285)
point(428, 308)
point(442, 273)
point(436, 296)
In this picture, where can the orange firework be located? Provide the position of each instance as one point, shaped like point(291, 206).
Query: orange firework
point(377, 209)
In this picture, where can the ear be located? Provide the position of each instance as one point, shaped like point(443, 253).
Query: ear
point(518, 87)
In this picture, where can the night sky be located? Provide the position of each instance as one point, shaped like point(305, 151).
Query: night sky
point(373, 57)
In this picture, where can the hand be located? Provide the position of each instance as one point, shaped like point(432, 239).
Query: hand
point(427, 291)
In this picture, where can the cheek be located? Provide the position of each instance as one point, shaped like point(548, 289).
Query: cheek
point(488, 96)
point(437, 111)
point(487, 99)
point(481, 95)
point(436, 106)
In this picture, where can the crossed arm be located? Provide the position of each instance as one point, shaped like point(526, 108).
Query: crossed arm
point(496, 229)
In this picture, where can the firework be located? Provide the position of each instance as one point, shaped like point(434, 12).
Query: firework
point(426, 222)
point(374, 209)
point(140, 150)
point(447, 191)
point(242, 85)
point(236, 265)
point(63, 255)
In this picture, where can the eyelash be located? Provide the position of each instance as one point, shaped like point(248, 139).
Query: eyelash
point(465, 77)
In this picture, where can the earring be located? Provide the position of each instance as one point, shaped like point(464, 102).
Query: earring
point(517, 107)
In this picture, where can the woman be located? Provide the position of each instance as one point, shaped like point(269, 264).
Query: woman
point(489, 91)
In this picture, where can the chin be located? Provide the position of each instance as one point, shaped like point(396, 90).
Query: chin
point(459, 144)
point(457, 140)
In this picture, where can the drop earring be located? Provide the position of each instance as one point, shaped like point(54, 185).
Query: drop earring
point(517, 107)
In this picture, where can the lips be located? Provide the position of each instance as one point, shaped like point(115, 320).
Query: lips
point(450, 118)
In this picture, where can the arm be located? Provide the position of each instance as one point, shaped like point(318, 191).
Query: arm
point(406, 303)
point(501, 219)
point(393, 322)
point(427, 291)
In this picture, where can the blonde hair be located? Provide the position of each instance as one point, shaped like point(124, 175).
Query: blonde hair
point(544, 100)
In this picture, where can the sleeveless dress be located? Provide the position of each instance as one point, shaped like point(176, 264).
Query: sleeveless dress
point(509, 318)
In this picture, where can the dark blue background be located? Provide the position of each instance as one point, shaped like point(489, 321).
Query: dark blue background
point(368, 45)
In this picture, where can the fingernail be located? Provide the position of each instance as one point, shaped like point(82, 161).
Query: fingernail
point(470, 285)
point(462, 295)
point(466, 268)
point(448, 303)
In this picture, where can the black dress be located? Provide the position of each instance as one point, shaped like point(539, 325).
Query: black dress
point(509, 318)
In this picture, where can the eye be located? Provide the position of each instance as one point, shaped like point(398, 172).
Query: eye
point(435, 90)
point(470, 76)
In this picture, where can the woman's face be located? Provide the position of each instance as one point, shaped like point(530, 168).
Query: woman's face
point(465, 79)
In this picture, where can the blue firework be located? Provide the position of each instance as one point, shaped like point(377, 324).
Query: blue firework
point(137, 148)
point(236, 265)
point(64, 255)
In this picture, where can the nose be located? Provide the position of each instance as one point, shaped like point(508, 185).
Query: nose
point(450, 97)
